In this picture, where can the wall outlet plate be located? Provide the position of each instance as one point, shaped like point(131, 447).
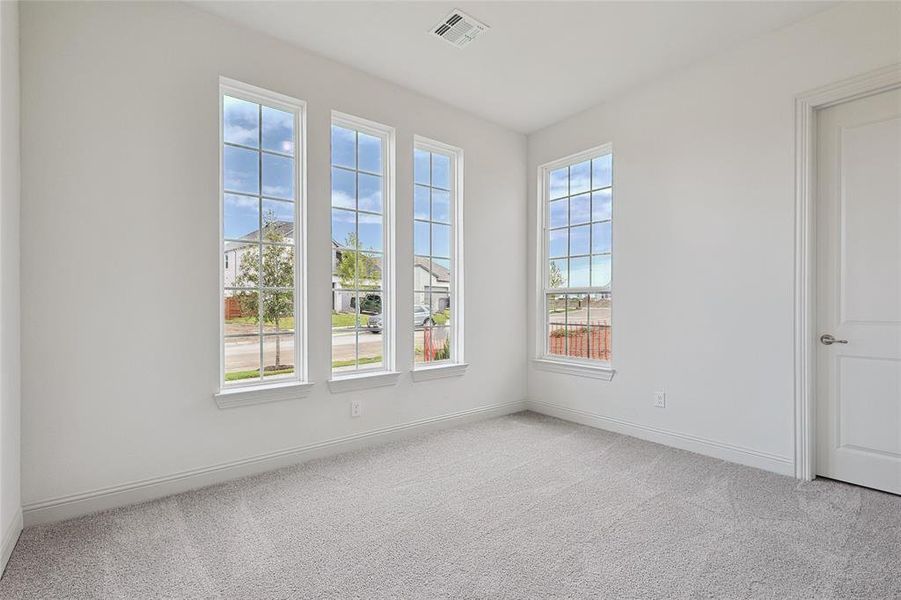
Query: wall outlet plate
point(356, 408)
point(660, 399)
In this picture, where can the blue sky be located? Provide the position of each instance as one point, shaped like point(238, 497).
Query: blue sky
point(431, 204)
point(241, 166)
point(584, 271)
point(357, 165)
point(241, 173)
point(241, 215)
point(278, 131)
point(242, 122)
point(241, 170)
point(440, 239)
point(582, 177)
point(360, 190)
point(367, 154)
point(370, 228)
point(434, 172)
point(242, 126)
point(579, 222)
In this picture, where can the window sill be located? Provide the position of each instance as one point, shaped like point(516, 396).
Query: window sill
point(604, 372)
point(260, 394)
point(350, 383)
point(439, 371)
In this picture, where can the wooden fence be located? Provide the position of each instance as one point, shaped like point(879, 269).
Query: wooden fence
point(580, 341)
point(233, 308)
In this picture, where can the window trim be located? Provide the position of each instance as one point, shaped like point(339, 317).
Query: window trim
point(257, 391)
point(359, 377)
point(360, 381)
point(541, 359)
point(440, 371)
point(456, 291)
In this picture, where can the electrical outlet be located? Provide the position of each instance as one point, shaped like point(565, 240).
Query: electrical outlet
point(356, 408)
point(660, 399)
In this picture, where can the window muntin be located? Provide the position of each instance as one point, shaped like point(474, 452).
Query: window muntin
point(577, 258)
point(260, 209)
point(436, 322)
point(361, 299)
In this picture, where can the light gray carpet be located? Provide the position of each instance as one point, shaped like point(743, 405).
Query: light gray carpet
point(523, 506)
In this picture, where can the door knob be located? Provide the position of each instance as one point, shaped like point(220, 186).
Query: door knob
point(828, 339)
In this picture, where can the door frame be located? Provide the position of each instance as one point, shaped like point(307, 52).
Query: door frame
point(806, 106)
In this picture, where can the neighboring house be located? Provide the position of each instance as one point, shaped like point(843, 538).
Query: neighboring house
point(340, 302)
point(429, 276)
point(426, 276)
point(235, 251)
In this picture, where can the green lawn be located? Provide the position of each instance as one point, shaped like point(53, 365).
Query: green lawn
point(366, 360)
point(569, 331)
point(346, 319)
point(239, 375)
point(338, 320)
point(287, 323)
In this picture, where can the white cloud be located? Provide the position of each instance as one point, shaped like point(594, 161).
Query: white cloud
point(239, 134)
point(342, 199)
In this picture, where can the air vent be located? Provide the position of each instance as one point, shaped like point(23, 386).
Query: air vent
point(458, 29)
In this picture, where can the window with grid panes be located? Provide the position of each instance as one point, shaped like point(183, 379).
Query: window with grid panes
point(435, 254)
point(260, 179)
point(577, 259)
point(360, 298)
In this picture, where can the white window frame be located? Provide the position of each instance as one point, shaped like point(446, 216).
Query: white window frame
point(456, 364)
point(258, 391)
point(387, 373)
point(542, 358)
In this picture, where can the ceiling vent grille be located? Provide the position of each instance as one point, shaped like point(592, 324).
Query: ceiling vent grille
point(458, 29)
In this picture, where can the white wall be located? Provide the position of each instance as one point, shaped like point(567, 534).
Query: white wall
point(10, 501)
point(704, 238)
point(119, 248)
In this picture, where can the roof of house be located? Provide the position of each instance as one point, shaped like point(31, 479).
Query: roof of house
point(440, 272)
point(283, 228)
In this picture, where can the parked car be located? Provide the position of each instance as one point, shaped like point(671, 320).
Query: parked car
point(371, 304)
point(421, 318)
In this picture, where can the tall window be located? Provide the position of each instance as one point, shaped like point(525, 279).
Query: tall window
point(576, 262)
point(260, 176)
point(362, 323)
point(436, 198)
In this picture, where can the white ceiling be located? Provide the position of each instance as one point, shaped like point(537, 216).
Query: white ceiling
point(540, 61)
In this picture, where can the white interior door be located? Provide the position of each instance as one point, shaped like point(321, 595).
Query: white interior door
point(859, 291)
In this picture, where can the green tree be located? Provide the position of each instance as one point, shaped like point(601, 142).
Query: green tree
point(277, 266)
point(354, 263)
point(555, 279)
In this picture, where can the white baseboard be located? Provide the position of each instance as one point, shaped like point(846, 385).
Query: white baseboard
point(692, 443)
point(10, 537)
point(74, 505)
